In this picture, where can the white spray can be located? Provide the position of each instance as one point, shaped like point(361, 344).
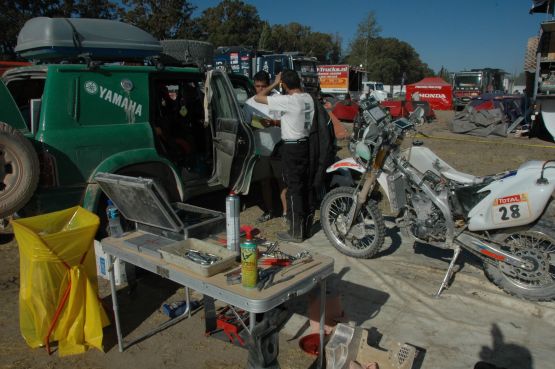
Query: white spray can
point(232, 207)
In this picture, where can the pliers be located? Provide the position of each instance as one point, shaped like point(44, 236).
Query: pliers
point(266, 277)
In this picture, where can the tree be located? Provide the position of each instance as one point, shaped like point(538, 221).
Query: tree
point(385, 59)
point(297, 37)
point(264, 40)
point(104, 9)
point(231, 23)
point(367, 31)
point(164, 19)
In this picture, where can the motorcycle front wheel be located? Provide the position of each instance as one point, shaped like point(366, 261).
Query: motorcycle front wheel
point(536, 245)
point(366, 236)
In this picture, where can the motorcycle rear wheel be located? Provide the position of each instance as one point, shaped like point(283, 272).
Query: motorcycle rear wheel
point(537, 245)
point(366, 236)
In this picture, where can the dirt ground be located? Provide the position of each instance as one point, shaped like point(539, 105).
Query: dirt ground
point(184, 345)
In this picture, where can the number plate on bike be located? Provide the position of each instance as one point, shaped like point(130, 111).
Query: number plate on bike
point(511, 208)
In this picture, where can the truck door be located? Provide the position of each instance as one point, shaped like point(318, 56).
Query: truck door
point(232, 136)
point(10, 112)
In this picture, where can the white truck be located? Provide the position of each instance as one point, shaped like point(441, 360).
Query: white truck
point(375, 90)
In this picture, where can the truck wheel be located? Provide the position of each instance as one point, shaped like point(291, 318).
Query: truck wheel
point(19, 170)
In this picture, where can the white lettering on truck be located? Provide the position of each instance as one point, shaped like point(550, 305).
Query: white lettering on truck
point(117, 99)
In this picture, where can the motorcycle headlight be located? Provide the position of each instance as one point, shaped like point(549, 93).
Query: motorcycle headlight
point(363, 152)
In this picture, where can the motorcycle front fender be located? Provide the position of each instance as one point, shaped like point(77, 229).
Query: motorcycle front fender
point(343, 164)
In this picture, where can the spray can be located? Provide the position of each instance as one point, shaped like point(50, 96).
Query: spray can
point(232, 223)
point(249, 261)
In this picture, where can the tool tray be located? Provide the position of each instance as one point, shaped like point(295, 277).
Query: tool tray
point(142, 201)
point(175, 254)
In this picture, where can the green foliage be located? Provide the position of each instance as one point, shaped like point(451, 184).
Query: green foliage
point(165, 19)
point(231, 23)
point(296, 37)
point(385, 59)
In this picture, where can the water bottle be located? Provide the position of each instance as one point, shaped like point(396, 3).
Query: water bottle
point(114, 221)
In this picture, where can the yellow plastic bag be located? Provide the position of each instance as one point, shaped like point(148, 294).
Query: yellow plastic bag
point(58, 297)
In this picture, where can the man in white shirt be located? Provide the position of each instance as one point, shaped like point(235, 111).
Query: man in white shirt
point(297, 108)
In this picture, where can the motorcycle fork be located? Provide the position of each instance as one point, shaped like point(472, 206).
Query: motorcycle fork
point(367, 188)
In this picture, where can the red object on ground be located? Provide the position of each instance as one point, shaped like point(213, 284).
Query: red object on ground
point(310, 344)
point(402, 109)
point(338, 128)
point(344, 111)
point(486, 105)
point(396, 108)
point(434, 90)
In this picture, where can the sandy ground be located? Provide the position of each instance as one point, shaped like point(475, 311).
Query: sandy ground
point(185, 345)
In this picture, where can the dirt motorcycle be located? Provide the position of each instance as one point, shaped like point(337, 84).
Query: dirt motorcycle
point(505, 219)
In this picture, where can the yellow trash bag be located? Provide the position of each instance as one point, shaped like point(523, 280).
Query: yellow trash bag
point(58, 296)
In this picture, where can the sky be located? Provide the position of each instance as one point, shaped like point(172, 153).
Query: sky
point(457, 35)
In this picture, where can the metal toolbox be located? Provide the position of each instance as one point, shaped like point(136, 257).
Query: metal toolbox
point(142, 201)
point(175, 254)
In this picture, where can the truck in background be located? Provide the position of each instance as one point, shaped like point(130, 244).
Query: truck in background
point(248, 62)
point(475, 82)
point(341, 79)
point(540, 84)
point(376, 90)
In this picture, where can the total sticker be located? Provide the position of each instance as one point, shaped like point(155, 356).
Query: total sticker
point(511, 208)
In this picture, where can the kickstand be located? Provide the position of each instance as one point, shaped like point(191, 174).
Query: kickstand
point(449, 273)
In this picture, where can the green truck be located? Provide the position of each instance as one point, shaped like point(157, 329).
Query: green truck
point(64, 121)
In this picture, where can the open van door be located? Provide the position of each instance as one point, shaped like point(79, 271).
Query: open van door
point(232, 136)
point(10, 112)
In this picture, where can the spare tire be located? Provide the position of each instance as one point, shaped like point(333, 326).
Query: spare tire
point(19, 170)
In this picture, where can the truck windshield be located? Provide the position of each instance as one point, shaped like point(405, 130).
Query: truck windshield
point(304, 66)
point(374, 86)
point(468, 81)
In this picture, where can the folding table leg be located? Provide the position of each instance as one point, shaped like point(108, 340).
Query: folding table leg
point(322, 322)
point(115, 305)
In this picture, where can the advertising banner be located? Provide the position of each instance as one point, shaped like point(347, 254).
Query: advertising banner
point(434, 90)
point(334, 78)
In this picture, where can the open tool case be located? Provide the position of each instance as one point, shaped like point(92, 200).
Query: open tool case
point(166, 230)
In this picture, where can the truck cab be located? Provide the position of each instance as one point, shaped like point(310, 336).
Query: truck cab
point(181, 126)
point(376, 90)
point(247, 62)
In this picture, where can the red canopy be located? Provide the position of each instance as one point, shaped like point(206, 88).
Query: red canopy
point(434, 90)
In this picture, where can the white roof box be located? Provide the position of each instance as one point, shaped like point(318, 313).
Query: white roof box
point(53, 39)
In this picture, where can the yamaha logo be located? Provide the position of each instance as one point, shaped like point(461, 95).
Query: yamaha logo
point(91, 87)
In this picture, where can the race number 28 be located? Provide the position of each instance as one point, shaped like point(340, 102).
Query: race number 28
point(510, 212)
point(514, 211)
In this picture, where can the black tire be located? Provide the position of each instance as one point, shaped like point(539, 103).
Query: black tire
point(366, 236)
point(539, 241)
point(19, 170)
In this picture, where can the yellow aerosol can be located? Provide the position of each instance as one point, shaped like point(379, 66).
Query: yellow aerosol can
point(249, 261)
